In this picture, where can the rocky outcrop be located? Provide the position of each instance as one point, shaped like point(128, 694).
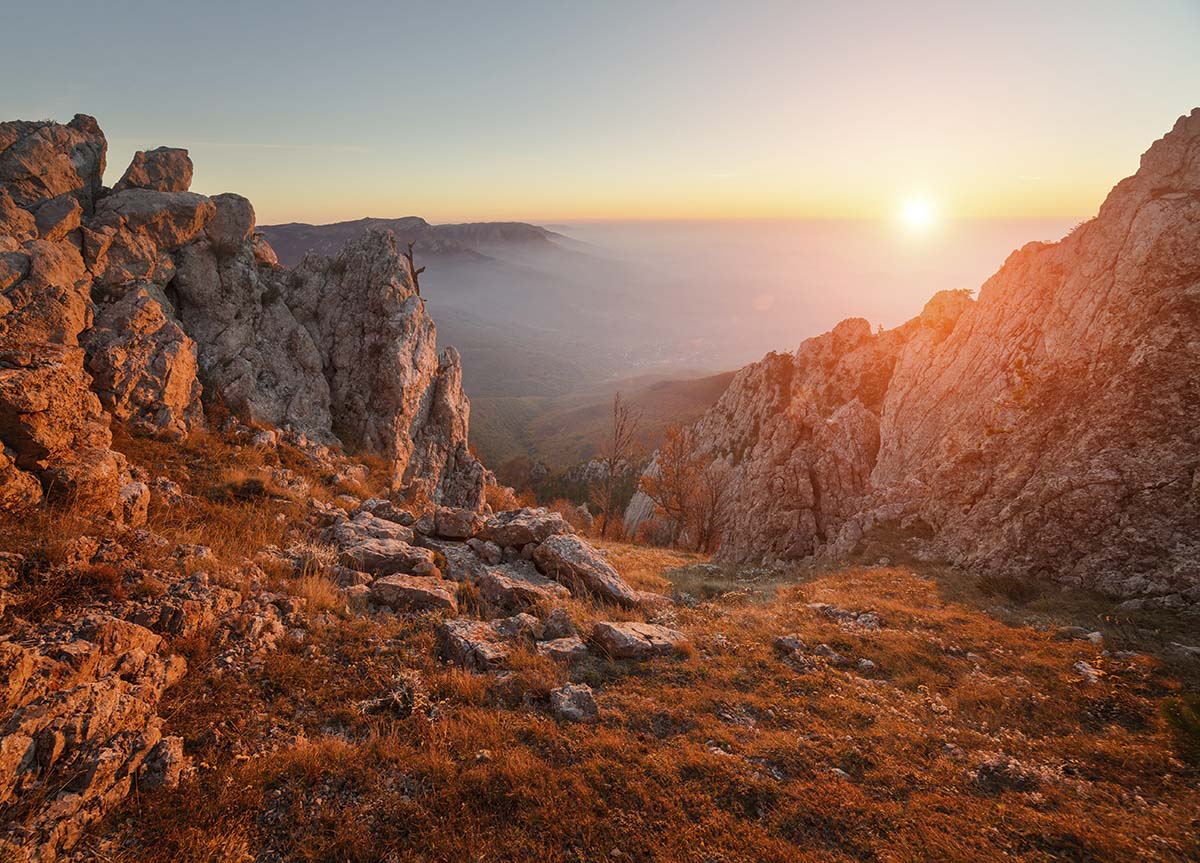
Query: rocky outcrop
point(796, 435)
point(406, 402)
point(82, 726)
point(1047, 429)
point(143, 364)
point(55, 431)
point(165, 169)
point(174, 298)
point(42, 160)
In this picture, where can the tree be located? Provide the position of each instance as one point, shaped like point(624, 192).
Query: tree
point(690, 494)
point(412, 268)
point(615, 456)
point(672, 482)
point(710, 507)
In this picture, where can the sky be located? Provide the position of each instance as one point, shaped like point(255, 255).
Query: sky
point(568, 111)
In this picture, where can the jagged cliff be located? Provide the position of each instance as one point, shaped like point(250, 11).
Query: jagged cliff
point(141, 302)
point(1048, 428)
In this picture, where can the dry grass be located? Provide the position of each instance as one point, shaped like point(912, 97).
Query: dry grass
point(729, 754)
point(320, 592)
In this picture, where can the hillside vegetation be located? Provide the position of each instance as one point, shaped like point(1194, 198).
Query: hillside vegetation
point(565, 430)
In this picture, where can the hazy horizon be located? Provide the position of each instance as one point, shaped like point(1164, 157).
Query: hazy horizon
point(679, 298)
point(322, 113)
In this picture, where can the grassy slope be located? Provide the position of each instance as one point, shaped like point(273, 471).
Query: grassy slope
point(727, 753)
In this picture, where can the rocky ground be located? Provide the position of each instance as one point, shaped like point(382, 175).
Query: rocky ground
point(250, 540)
point(332, 677)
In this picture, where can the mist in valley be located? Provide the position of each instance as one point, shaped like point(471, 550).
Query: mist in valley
point(549, 330)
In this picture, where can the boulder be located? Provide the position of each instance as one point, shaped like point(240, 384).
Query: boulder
point(386, 510)
point(133, 502)
point(563, 649)
point(558, 625)
point(569, 560)
point(456, 523)
point(232, 225)
point(636, 640)
point(411, 593)
point(366, 525)
point(520, 627)
point(518, 527)
point(517, 586)
point(164, 169)
point(471, 644)
point(574, 703)
point(384, 556)
point(486, 551)
point(461, 564)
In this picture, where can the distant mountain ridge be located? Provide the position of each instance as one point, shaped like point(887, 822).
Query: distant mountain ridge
point(293, 240)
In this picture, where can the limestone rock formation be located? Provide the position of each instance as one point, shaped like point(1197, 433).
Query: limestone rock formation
point(1046, 429)
point(174, 298)
point(164, 169)
point(54, 429)
point(143, 364)
point(42, 160)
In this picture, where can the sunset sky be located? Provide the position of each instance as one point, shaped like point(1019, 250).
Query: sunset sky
point(567, 111)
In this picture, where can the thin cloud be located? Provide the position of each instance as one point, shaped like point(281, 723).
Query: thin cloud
point(323, 148)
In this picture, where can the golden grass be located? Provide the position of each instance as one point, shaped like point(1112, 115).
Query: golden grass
point(727, 753)
point(320, 592)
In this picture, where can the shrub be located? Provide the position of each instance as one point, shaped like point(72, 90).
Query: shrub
point(1011, 587)
point(1183, 718)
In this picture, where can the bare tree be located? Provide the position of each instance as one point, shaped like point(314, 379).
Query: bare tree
point(710, 506)
point(412, 268)
point(616, 455)
point(672, 484)
point(688, 493)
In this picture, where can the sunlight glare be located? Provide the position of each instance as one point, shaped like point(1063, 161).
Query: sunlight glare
point(918, 215)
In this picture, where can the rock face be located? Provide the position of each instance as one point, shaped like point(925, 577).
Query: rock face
point(1046, 429)
point(153, 297)
point(165, 169)
point(81, 719)
point(143, 364)
point(42, 160)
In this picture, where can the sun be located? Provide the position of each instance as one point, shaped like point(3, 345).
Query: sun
point(919, 215)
